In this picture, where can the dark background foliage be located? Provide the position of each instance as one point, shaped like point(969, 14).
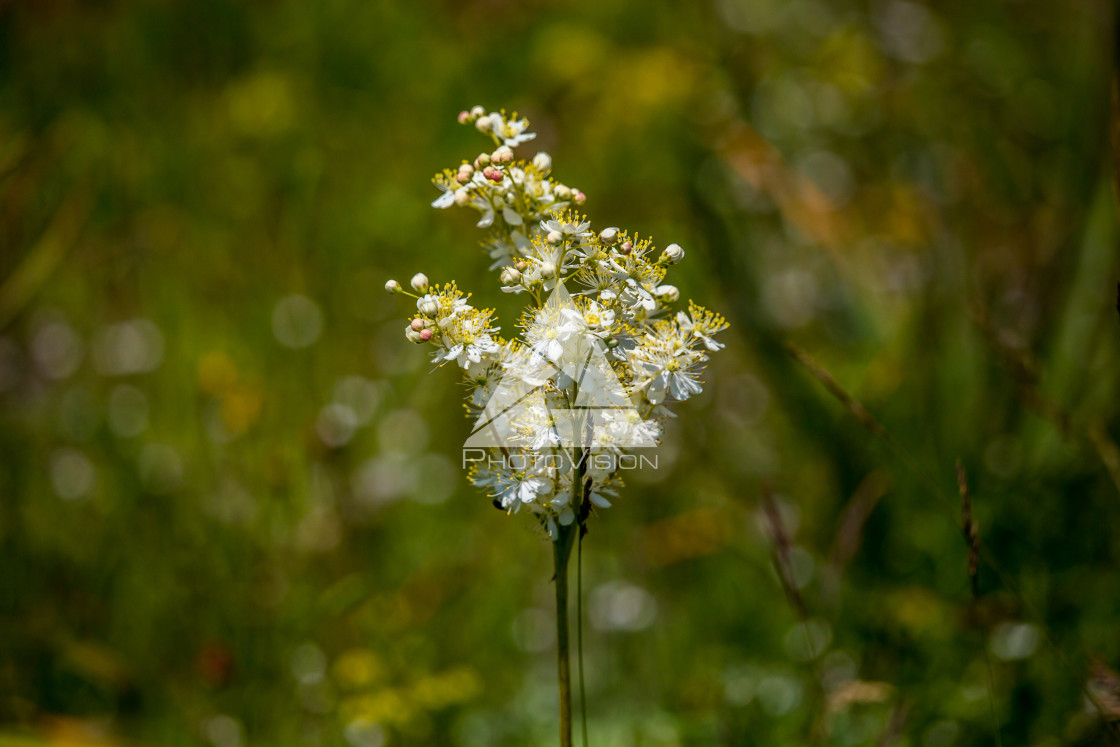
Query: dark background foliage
point(231, 508)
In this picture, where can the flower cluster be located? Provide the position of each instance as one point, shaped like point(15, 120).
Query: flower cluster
point(600, 353)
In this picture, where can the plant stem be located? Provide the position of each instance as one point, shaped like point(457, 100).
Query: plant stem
point(561, 554)
point(579, 635)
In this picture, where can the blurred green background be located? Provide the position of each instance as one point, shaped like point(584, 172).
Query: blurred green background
point(231, 508)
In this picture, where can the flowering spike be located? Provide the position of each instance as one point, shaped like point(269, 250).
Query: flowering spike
point(599, 354)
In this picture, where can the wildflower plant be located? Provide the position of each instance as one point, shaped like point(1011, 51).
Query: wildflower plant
point(600, 357)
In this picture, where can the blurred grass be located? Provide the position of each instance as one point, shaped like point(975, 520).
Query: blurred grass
point(231, 507)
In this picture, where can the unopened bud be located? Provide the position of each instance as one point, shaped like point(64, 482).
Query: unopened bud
point(484, 124)
point(419, 282)
point(548, 269)
point(543, 162)
point(554, 237)
point(510, 276)
point(461, 197)
point(668, 293)
point(427, 306)
point(562, 191)
point(412, 335)
point(497, 175)
point(626, 247)
point(504, 154)
point(483, 159)
point(464, 117)
point(462, 177)
point(488, 172)
point(579, 197)
point(608, 236)
point(393, 286)
point(673, 254)
point(426, 334)
point(612, 343)
point(477, 111)
point(520, 266)
point(417, 325)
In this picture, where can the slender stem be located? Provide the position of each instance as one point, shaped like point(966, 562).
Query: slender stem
point(561, 554)
point(579, 635)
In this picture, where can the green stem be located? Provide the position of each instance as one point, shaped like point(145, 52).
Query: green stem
point(579, 634)
point(561, 554)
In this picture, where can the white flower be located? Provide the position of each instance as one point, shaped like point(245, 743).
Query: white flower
point(447, 199)
point(567, 228)
point(512, 490)
point(471, 351)
point(599, 319)
point(554, 333)
point(511, 131)
point(663, 363)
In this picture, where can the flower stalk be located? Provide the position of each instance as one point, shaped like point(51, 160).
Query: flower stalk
point(600, 356)
point(562, 554)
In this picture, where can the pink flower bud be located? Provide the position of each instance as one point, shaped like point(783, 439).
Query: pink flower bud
point(464, 117)
point(626, 247)
point(426, 334)
point(497, 176)
point(417, 325)
point(579, 198)
point(488, 172)
point(462, 177)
